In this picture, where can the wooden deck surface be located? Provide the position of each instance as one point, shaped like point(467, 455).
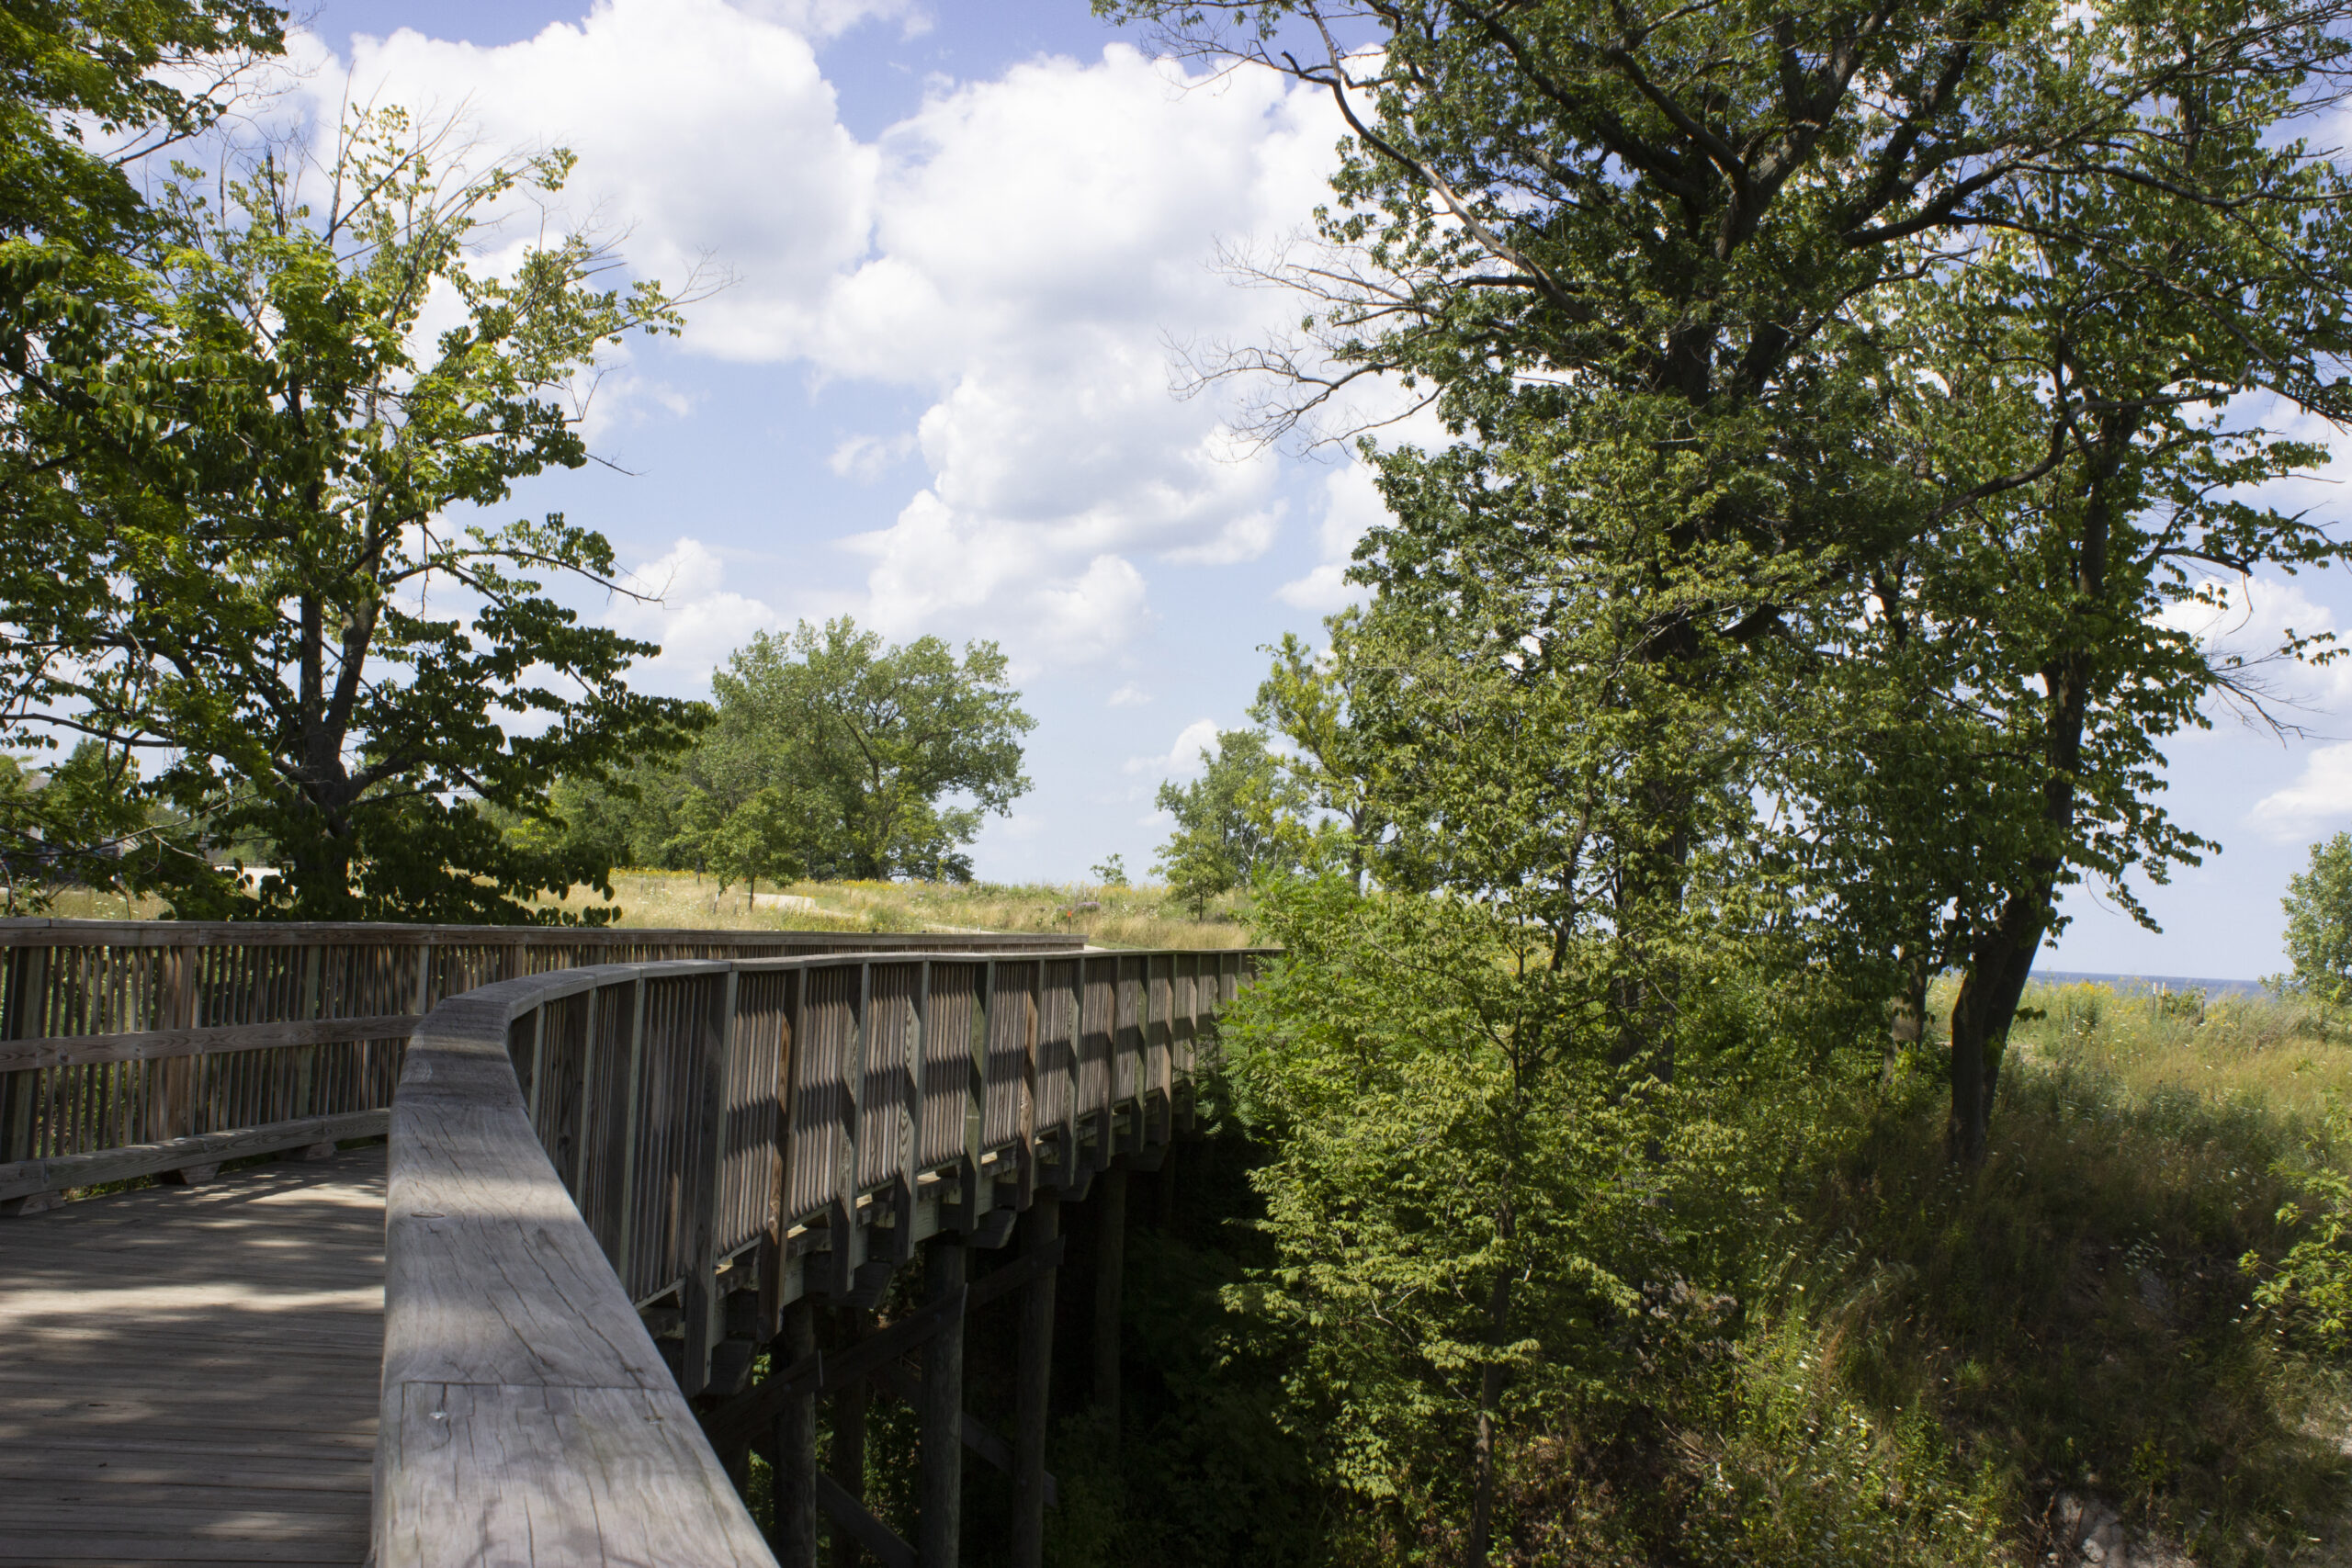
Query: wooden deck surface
point(190, 1374)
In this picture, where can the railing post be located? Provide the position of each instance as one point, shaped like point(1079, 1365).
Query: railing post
point(976, 1094)
point(632, 1075)
point(939, 1512)
point(1025, 1116)
point(1034, 1376)
point(171, 1111)
point(27, 1018)
point(914, 1056)
point(423, 1003)
point(699, 1295)
point(848, 1237)
point(774, 1267)
point(1071, 1112)
point(306, 1057)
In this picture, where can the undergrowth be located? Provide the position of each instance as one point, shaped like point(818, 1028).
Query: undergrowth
point(1851, 1353)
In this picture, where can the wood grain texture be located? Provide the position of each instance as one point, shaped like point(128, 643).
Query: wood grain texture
point(60, 1172)
point(157, 1044)
point(526, 1417)
point(191, 1371)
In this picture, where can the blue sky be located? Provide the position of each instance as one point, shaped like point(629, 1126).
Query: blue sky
point(965, 242)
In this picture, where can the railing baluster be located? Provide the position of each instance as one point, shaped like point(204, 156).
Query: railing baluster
point(714, 1040)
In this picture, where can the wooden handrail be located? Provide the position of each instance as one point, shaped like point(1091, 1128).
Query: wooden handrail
point(569, 1151)
point(128, 1045)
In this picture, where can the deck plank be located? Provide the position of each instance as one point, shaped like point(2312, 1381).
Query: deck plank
point(190, 1374)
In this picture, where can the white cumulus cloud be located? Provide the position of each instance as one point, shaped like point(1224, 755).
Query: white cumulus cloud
point(2321, 795)
point(1182, 760)
point(1018, 252)
point(685, 606)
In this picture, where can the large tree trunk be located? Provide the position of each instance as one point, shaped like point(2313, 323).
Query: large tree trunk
point(1490, 1394)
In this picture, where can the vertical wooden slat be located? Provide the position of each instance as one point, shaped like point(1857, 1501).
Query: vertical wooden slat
point(714, 1039)
point(27, 1018)
point(174, 1108)
point(632, 1088)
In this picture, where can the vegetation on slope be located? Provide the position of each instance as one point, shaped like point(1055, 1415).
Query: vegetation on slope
point(1837, 1346)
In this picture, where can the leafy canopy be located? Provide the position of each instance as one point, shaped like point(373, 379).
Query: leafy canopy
point(251, 571)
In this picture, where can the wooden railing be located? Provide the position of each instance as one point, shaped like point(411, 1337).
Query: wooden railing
point(161, 1048)
point(582, 1161)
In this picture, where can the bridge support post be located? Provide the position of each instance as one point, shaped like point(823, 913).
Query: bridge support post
point(1034, 1385)
point(794, 1476)
point(1110, 1270)
point(848, 1467)
point(939, 1516)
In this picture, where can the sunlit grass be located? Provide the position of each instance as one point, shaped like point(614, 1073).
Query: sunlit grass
point(2285, 1055)
point(1108, 917)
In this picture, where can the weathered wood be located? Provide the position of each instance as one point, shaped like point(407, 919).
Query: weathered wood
point(835, 1371)
point(793, 1437)
point(904, 1386)
point(1033, 1264)
point(1110, 1275)
point(855, 1528)
point(192, 1375)
point(27, 988)
point(841, 1489)
point(524, 1406)
point(1032, 1375)
point(509, 1334)
point(714, 1039)
point(940, 1502)
point(62, 1171)
point(157, 1044)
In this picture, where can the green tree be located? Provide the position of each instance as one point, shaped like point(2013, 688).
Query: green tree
point(763, 835)
point(1751, 317)
point(261, 482)
point(2318, 922)
point(1227, 820)
point(889, 756)
point(137, 75)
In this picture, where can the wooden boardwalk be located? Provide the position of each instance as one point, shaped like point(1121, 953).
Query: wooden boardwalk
point(190, 1374)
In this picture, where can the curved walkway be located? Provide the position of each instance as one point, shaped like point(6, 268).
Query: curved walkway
point(190, 1374)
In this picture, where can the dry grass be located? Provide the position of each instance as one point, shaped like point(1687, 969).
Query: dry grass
point(96, 904)
point(2284, 1056)
point(1121, 917)
point(1108, 917)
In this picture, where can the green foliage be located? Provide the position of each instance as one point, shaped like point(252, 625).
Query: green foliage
point(2318, 922)
point(858, 752)
point(2308, 1291)
point(1111, 873)
point(1238, 818)
point(262, 586)
point(82, 822)
point(1827, 457)
point(141, 73)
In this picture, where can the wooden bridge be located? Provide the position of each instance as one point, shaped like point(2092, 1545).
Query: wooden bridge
point(639, 1199)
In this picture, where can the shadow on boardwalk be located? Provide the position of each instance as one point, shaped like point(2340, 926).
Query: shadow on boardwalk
point(189, 1374)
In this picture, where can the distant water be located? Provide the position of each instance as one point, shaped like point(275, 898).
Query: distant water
point(2152, 982)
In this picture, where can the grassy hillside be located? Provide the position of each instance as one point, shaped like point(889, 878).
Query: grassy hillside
point(1109, 917)
point(1118, 917)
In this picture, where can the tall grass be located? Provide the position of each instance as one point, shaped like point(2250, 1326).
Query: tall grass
point(1108, 917)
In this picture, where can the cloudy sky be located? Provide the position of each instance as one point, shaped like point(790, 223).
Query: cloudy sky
point(966, 241)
